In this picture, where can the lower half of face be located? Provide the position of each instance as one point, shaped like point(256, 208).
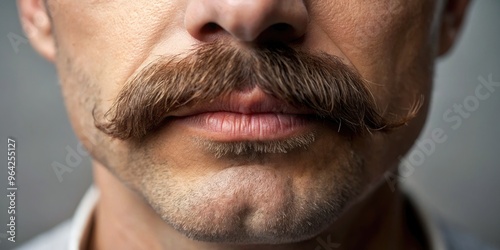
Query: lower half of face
point(237, 192)
point(250, 179)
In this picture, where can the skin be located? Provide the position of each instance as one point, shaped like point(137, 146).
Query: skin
point(97, 45)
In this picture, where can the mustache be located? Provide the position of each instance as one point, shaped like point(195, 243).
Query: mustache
point(319, 82)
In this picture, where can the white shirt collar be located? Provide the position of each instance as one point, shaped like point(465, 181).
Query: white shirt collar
point(82, 220)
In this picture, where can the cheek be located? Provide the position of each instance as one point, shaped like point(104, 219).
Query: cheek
point(385, 40)
point(112, 39)
point(388, 42)
point(100, 44)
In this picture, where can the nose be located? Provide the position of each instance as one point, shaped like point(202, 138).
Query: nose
point(247, 20)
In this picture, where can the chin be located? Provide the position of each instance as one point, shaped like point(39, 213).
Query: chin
point(253, 204)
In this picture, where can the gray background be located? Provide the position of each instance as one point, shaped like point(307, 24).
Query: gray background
point(460, 179)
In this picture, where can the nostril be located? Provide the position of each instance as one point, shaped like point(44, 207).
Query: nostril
point(210, 31)
point(282, 32)
point(210, 28)
point(282, 27)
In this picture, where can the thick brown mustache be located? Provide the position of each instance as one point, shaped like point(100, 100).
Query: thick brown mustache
point(319, 82)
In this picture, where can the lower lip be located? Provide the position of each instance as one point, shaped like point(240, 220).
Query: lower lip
point(228, 126)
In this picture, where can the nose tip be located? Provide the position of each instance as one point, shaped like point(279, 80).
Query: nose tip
point(247, 20)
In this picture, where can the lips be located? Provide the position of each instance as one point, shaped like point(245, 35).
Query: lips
point(249, 116)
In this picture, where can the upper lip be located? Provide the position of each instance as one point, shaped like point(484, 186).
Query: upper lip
point(250, 102)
